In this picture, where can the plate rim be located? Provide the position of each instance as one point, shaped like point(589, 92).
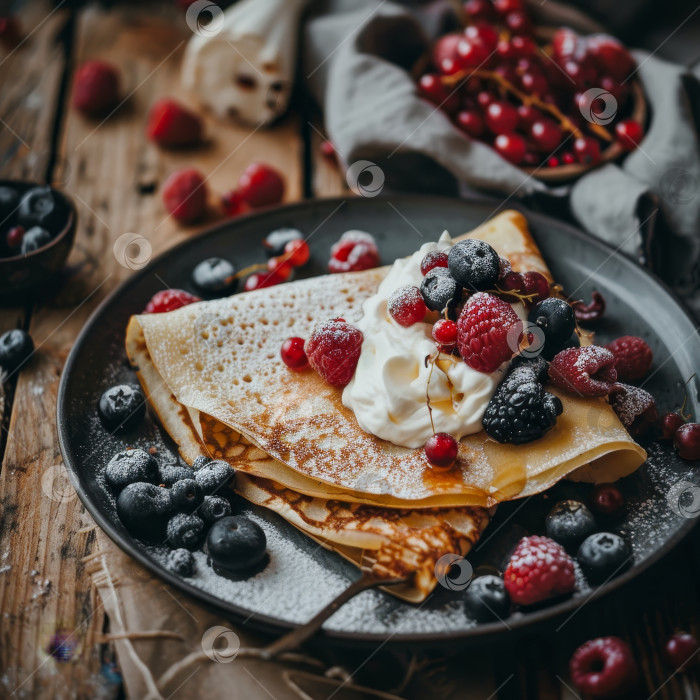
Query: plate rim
point(522, 622)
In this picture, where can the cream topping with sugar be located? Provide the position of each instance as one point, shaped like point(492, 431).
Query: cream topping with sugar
point(388, 390)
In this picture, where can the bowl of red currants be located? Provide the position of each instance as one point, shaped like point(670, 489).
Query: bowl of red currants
point(37, 230)
point(548, 100)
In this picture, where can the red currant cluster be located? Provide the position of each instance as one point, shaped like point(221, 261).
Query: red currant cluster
point(534, 104)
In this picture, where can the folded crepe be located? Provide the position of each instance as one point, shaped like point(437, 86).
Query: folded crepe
point(213, 374)
point(220, 361)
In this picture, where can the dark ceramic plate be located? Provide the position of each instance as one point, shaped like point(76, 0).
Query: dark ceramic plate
point(301, 577)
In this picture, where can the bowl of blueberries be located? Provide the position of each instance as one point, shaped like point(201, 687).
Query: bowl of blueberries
point(37, 230)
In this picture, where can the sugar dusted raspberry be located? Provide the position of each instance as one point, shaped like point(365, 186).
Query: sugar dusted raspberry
point(587, 371)
point(635, 408)
point(96, 90)
point(185, 195)
point(355, 251)
point(334, 350)
point(261, 185)
point(169, 300)
point(633, 357)
point(603, 668)
point(406, 305)
point(485, 332)
point(538, 569)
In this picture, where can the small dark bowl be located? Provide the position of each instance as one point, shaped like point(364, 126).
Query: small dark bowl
point(29, 274)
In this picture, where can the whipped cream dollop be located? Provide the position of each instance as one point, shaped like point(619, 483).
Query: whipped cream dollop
point(388, 390)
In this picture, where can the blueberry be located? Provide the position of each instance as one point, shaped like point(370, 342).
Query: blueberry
point(276, 240)
point(556, 319)
point(185, 530)
point(16, 347)
point(170, 473)
point(186, 495)
point(42, 206)
point(474, 264)
point(569, 523)
point(212, 476)
point(603, 556)
point(486, 599)
point(440, 290)
point(200, 461)
point(122, 407)
point(214, 508)
point(214, 277)
point(181, 562)
point(9, 199)
point(144, 510)
point(35, 238)
point(235, 543)
point(131, 466)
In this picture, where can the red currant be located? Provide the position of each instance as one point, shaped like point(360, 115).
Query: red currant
point(519, 22)
point(280, 266)
point(471, 123)
point(511, 147)
point(441, 450)
point(261, 185)
point(523, 46)
point(445, 332)
point(431, 88)
point(328, 150)
point(484, 99)
point(479, 9)
point(512, 282)
point(484, 33)
point(568, 158)
point(669, 423)
point(297, 252)
point(293, 354)
point(628, 133)
point(406, 305)
point(169, 300)
point(14, 237)
point(610, 56)
point(687, 441)
point(434, 258)
point(504, 7)
point(260, 280)
point(587, 150)
point(546, 134)
point(534, 83)
point(501, 117)
point(682, 650)
point(471, 53)
point(553, 162)
point(535, 283)
point(528, 115)
point(607, 499)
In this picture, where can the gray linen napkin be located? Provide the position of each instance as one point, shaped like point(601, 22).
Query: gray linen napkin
point(357, 60)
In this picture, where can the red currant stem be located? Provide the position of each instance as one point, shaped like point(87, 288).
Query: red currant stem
point(513, 293)
point(683, 415)
point(527, 100)
point(249, 270)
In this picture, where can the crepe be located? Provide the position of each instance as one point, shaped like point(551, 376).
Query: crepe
point(220, 362)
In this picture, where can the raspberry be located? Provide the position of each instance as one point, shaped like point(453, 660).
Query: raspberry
point(334, 350)
point(406, 305)
point(483, 331)
point(434, 258)
point(233, 203)
point(355, 251)
point(185, 195)
point(538, 569)
point(172, 124)
point(635, 408)
point(96, 88)
point(603, 667)
point(261, 185)
point(633, 357)
point(169, 300)
point(585, 371)
point(521, 410)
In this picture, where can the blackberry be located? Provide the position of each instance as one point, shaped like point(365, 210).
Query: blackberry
point(440, 290)
point(521, 410)
point(474, 264)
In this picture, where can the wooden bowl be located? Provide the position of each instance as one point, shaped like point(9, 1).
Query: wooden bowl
point(22, 275)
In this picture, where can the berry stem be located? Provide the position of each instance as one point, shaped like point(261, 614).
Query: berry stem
point(430, 359)
point(682, 413)
point(250, 269)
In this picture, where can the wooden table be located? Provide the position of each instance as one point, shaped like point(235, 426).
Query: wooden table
point(114, 174)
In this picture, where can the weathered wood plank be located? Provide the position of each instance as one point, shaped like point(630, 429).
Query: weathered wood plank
point(114, 175)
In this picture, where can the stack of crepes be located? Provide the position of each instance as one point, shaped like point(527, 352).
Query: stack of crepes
point(213, 373)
